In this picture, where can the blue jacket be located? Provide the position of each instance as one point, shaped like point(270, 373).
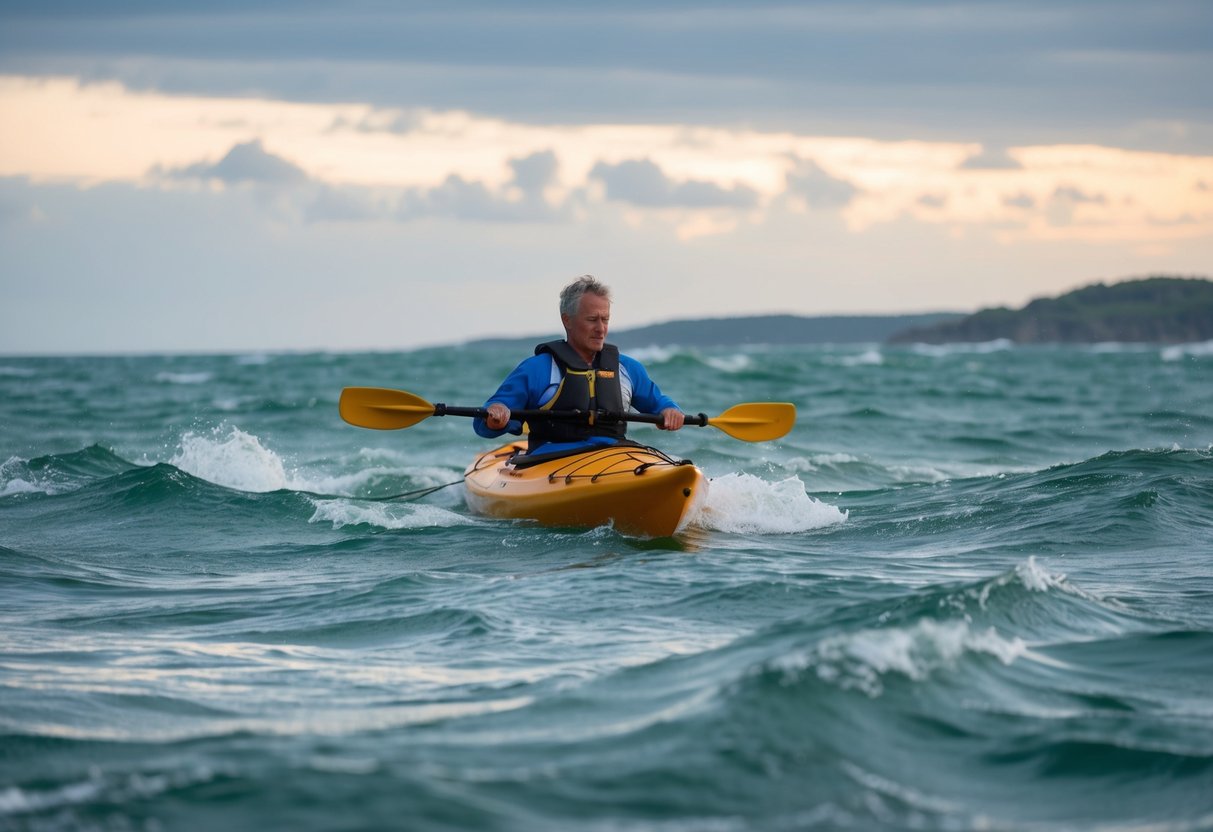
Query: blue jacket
point(533, 383)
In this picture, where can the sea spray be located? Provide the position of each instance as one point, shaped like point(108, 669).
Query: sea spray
point(746, 504)
point(232, 458)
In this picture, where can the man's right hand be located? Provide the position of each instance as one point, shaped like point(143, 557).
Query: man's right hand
point(498, 416)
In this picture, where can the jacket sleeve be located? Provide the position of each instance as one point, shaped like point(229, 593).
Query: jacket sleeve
point(520, 391)
point(646, 395)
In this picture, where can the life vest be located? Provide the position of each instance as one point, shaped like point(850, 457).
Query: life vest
point(589, 388)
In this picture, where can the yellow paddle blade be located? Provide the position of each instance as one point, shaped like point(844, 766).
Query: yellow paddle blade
point(381, 408)
point(756, 421)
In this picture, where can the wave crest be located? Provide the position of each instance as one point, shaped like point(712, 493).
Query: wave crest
point(862, 659)
point(746, 504)
point(385, 515)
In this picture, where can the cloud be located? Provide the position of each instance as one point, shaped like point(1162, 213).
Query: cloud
point(521, 199)
point(933, 201)
point(1064, 205)
point(535, 172)
point(394, 122)
point(346, 204)
point(247, 162)
point(465, 199)
point(818, 188)
point(1035, 70)
point(643, 183)
point(991, 158)
point(1076, 196)
point(1025, 201)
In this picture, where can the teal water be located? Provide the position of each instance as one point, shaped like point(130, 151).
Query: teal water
point(972, 589)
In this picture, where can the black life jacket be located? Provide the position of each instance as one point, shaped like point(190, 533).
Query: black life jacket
point(589, 388)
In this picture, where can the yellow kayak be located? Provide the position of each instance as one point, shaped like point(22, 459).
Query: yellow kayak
point(637, 489)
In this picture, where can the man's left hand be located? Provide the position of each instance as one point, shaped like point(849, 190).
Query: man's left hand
point(672, 419)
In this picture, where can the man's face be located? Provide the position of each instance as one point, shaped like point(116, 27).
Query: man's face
point(587, 330)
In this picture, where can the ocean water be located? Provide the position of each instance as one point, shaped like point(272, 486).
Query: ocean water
point(972, 589)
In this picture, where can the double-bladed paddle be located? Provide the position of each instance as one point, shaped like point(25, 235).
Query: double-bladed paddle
point(382, 408)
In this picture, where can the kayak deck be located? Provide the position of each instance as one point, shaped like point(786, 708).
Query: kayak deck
point(637, 489)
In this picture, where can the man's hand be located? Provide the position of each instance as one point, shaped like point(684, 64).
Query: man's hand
point(672, 419)
point(498, 416)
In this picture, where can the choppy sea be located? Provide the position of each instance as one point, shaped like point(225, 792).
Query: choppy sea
point(972, 589)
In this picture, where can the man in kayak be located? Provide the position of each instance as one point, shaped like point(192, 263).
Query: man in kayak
point(582, 372)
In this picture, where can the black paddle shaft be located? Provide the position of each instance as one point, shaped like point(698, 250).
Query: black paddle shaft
point(603, 417)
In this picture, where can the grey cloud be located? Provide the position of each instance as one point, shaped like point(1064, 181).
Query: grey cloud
point(932, 201)
point(1033, 71)
point(1076, 195)
point(462, 199)
point(643, 183)
point(347, 204)
point(991, 158)
point(455, 197)
point(818, 188)
point(400, 124)
point(1024, 201)
point(535, 172)
point(1060, 209)
point(247, 162)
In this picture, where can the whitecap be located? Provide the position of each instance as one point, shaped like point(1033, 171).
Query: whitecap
point(1035, 578)
point(982, 347)
point(234, 460)
point(17, 372)
point(385, 515)
point(13, 479)
point(860, 660)
point(731, 363)
point(870, 358)
point(812, 464)
point(746, 504)
point(353, 483)
point(184, 378)
point(654, 354)
point(1178, 352)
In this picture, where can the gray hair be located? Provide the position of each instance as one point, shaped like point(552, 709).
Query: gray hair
point(570, 296)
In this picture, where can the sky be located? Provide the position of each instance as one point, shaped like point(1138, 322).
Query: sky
point(260, 175)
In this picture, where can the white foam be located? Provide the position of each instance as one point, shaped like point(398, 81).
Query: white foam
point(234, 460)
point(654, 354)
point(17, 372)
point(730, 364)
point(20, 486)
point(811, 464)
point(860, 660)
point(13, 480)
point(872, 358)
point(981, 348)
point(385, 515)
point(185, 378)
point(1034, 578)
point(745, 504)
point(1179, 352)
point(15, 800)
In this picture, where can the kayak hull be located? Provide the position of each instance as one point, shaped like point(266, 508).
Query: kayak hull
point(638, 490)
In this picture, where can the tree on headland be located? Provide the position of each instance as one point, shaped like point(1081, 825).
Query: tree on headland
point(1158, 309)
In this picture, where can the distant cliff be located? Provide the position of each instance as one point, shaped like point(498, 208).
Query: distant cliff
point(1169, 310)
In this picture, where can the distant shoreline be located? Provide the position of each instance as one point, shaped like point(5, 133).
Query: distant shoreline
point(773, 330)
point(1153, 310)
